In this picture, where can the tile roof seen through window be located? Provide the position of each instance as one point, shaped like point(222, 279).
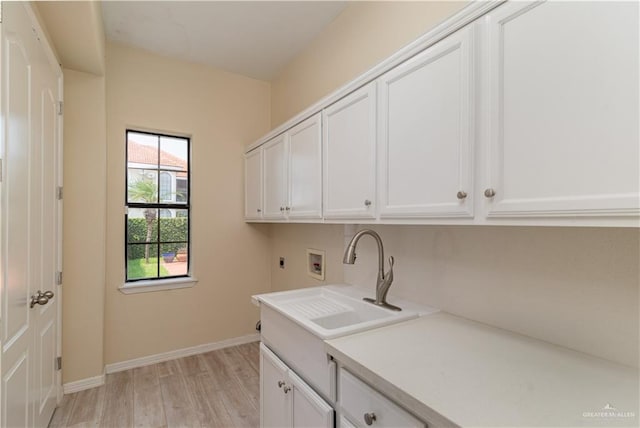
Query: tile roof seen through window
point(143, 154)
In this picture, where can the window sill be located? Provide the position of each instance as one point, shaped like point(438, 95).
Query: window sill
point(157, 285)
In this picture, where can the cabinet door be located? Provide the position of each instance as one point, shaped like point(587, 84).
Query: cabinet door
point(275, 405)
point(562, 109)
point(309, 410)
point(426, 133)
point(305, 170)
point(253, 185)
point(275, 178)
point(349, 143)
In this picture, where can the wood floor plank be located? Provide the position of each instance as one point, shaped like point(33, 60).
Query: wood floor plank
point(240, 406)
point(192, 365)
point(60, 416)
point(247, 377)
point(177, 404)
point(148, 407)
point(215, 389)
point(251, 353)
point(87, 408)
point(146, 377)
point(118, 404)
point(168, 368)
point(209, 408)
point(217, 367)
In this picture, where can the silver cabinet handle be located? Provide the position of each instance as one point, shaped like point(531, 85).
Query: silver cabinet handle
point(369, 418)
point(288, 208)
point(280, 384)
point(281, 208)
point(489, 193)
point(286, 389)
point(258, 210)
point(461, 194)
point(367, 203)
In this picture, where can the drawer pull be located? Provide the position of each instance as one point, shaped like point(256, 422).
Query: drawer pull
point(280, 384)
point(489, 193)
point(369, 418)
point(286, 389)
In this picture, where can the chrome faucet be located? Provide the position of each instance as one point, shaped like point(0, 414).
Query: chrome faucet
point(384, 279)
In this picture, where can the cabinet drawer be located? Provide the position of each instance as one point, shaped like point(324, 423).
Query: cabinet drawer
point(358, 399)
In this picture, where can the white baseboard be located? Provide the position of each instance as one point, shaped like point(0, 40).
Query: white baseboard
point(179, 353)
point(82, 384)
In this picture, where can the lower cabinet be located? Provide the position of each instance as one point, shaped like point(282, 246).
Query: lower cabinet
point(362, 406)
point(286, 400)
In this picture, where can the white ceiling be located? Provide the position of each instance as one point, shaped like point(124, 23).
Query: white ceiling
point(252, 38)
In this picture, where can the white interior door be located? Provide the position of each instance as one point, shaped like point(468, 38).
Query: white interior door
point(29, 223)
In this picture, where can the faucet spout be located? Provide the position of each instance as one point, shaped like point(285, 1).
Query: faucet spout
point(384, 279)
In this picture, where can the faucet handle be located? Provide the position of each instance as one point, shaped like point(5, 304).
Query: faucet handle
point(389, 275)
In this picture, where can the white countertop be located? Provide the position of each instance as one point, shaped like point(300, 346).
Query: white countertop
point(450, 370)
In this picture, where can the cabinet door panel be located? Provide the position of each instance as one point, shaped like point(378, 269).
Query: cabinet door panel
point(426, 132)
point(275, 405)
point(309, 410)
point(358, 399)
point(563, 108)
point(349, 142)
point(275, 177)
point(305, 163)
point(253, 185)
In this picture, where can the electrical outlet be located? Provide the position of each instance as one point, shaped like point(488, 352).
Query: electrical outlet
point(281, 262)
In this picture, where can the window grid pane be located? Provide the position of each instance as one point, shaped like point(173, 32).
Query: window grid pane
point(157, 233)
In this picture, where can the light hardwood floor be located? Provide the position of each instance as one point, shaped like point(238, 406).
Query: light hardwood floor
point(216, 389)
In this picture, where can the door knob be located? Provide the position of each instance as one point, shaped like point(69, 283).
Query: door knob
point(461, 194)
point(489, 193)
point(40, 298)
point(286, 389)
point(280, 384)
point(369, 418)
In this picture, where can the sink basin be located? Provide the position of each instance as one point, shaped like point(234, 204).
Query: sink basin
point(333, 311)
point(345, 319)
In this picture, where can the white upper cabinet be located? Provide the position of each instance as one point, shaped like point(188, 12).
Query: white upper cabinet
point(561, 102)
point(305, 170)
point(275, 178)
point(425, 122)
point(349, 143)
point(253, 185)
point(292, 164)
point(528, 114)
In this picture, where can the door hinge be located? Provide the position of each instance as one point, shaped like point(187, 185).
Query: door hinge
point(60, 108)
point(59, 193)
point(58, 363)
point(58, 278)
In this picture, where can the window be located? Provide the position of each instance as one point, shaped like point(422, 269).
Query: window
point(165, 187)
point(158, 209)
point(181, 189)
